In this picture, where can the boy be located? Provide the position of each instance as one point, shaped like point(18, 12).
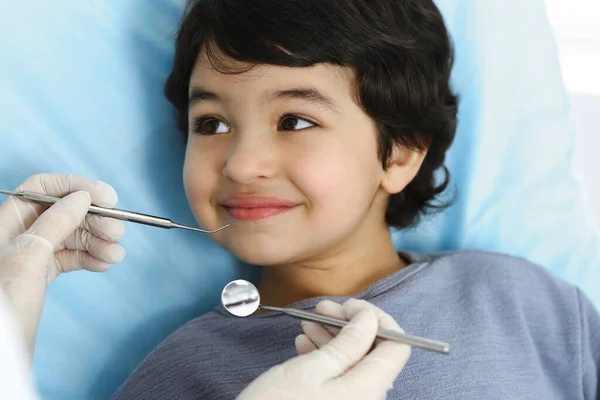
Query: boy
point(313, 127)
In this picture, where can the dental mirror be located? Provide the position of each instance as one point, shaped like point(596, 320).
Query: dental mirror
point(241, 298)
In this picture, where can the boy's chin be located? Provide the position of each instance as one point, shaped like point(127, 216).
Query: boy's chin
point(263, 257)
point(259, 259)
point(266, 247)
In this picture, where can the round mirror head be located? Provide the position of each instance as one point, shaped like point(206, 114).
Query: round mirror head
point(240, 298)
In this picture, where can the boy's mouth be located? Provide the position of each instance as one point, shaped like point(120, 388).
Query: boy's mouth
point(255, 208)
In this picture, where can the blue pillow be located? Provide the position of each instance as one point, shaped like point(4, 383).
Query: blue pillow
point(81, 86)
point(512, 160)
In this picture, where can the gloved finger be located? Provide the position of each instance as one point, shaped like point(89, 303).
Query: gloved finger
point(62, 219)
point(60, 185)
point(379, 369)
point(103, 250)
point(16, 216)
point(342, 352)
point(316, 333)
point(319, 335)
point(74, 260)
point(106, 228)
point(332, 309)
point(304, 345)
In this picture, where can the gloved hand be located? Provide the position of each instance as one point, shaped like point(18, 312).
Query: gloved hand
point(337, 367)
point(37, 245)
point(15, 382)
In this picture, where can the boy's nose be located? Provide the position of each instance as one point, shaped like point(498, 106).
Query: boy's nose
point(251, 157)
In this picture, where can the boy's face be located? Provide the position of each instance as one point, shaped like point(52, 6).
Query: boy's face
point(287, 157)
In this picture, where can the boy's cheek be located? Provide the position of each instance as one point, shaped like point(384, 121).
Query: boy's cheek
point(328, 177)
point(199, 186)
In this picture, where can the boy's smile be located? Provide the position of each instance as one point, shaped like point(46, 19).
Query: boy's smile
point(254, 207)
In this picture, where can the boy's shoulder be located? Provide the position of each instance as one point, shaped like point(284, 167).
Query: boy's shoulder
point(501, 275)
point(490, 265)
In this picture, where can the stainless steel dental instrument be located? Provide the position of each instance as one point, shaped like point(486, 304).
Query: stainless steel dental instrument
point(241, 298)
point(115, 213)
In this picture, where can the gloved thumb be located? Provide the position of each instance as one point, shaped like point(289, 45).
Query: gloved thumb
point(62, 219)
point(343, 351)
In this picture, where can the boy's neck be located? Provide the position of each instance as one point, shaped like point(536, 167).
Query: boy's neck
point(346, 272)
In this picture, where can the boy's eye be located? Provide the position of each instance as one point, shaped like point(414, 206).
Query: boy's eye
point(294, 123)
point(210, 126)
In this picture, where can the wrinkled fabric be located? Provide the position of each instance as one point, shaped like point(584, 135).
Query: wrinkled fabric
point(516, 331)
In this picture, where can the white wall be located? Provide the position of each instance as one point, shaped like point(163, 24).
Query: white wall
point(576, 25)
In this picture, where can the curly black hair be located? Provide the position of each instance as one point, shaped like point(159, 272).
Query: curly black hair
point(400, 51)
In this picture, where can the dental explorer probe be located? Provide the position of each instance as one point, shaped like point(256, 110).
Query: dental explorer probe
point(115, 213)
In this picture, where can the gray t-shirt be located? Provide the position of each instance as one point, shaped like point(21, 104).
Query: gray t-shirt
point(516, 331)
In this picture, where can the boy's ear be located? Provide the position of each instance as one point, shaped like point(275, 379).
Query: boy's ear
point(402, 167)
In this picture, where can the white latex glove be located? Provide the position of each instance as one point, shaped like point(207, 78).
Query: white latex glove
point(37, 245)
point(14, 377)
point(337, 367)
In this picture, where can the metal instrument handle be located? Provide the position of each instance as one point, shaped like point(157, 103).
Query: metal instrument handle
point(116, 213)
point(415, 341)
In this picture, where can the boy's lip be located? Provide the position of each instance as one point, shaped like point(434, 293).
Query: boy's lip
point(254, 208)
point(253, 201)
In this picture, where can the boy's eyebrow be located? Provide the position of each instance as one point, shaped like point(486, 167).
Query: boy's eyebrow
point(308, 94)
point(198, 95)
point(311, 95)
